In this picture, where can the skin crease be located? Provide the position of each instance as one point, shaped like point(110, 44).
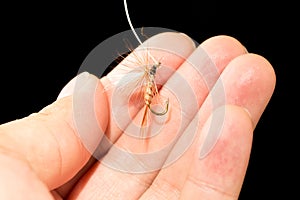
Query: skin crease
point(249, 82)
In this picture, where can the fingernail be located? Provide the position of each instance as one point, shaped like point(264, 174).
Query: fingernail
point(194, 43)
point(250, 116)
point(85, 101)
point(68, 89)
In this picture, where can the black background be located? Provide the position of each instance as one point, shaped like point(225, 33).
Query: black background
point(44, 44)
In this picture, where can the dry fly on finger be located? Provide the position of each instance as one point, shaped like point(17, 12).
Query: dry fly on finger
point(136, 80)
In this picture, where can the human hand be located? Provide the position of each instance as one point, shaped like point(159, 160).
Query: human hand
point(45, 155)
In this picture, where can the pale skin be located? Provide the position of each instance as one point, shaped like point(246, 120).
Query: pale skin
point(41, 155)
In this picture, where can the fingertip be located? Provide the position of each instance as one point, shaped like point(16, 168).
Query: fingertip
point(264, 65)
point(178, 43)
point(68, 89)
point(222, 49)
point(250, 81)
point(225, 40)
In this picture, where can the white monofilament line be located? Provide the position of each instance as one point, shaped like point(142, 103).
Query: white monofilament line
point(134, 32)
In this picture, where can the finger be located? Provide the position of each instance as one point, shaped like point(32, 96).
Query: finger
point(220, 175)
point(248, 97)
point(173, 44)
point(51, 140)
point(222, 50)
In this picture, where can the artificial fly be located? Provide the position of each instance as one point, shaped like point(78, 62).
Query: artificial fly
point(149, 87)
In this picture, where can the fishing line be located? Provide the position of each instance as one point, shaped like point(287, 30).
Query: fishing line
point(133, 30)
point(129, 22)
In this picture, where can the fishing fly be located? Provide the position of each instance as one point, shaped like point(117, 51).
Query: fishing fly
point(143, 76)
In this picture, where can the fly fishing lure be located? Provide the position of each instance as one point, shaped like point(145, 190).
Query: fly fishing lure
point(143, 76)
